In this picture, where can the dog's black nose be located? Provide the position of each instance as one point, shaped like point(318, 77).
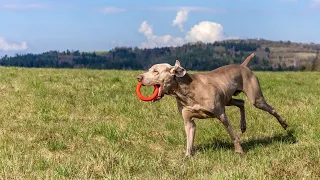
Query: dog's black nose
point(139, 78)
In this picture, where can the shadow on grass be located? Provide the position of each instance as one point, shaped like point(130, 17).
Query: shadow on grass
point(287, 138)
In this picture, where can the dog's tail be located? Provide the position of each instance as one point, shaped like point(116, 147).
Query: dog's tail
point(248, 59)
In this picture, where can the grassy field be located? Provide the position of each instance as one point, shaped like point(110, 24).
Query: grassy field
point(89, 124)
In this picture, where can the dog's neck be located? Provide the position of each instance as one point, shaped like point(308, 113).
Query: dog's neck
point(180, 89)
point(185, 80)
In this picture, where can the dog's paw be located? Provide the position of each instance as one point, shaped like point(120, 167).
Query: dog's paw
point(285, 126)
point(238, 149)
point(243, 129)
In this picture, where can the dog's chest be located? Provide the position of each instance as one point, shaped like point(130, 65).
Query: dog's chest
point(198, 111)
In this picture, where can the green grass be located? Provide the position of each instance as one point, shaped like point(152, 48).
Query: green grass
point(81, 124)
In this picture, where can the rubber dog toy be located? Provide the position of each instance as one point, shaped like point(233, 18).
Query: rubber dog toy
point(150, 98)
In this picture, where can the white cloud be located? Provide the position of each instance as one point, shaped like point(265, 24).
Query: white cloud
point(112, 10)
point(289, 1)
point(146, 29)
point(22, 6)
point(315, 3)
point(206, 31)
point(181, 17)
point(188, 8)
point(6, 46)
point(158, 41)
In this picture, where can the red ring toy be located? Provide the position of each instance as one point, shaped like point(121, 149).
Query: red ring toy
point(150, 98)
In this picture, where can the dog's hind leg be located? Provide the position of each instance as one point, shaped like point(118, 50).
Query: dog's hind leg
point(255, 96)
point(240, 104)
point(262, 104)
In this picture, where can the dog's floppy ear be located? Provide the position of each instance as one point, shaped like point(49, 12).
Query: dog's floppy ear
point(178, 70)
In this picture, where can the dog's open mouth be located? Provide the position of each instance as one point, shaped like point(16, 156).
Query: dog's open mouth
point(160, 94)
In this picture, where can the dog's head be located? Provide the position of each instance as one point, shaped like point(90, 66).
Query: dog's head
point(162, 75)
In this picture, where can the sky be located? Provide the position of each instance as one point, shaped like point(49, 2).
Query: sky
point(36, 26)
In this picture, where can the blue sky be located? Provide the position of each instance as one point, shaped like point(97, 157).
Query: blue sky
point(41, 25)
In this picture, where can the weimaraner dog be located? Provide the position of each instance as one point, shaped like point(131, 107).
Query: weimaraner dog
point(205, 95)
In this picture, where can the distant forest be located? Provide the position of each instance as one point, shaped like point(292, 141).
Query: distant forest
point(193, 56)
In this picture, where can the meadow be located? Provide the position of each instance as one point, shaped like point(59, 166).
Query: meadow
point(81, 124)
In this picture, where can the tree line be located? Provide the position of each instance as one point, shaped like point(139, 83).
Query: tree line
point(193, 56)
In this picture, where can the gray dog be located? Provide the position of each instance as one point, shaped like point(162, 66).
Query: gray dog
point(205, 95)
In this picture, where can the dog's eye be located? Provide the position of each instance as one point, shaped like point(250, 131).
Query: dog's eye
point(155, 71)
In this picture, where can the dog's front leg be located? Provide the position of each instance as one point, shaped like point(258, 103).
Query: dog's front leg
point(190, 128)
point(223, 118)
